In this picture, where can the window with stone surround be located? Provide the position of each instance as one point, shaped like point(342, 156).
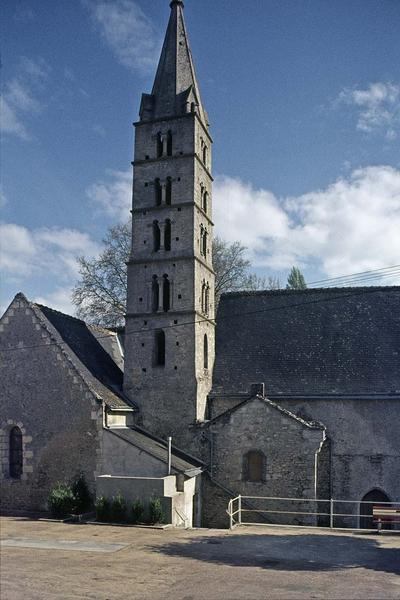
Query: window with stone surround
point(155, 294)
point(168, 191)
point(254, 466)
point(166, 294)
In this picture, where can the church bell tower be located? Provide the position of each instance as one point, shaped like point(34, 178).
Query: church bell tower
point(169, 342)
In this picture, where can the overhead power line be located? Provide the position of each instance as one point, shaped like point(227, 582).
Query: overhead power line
point(146, 329)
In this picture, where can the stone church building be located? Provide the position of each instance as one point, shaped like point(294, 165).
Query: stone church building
point(281, 394)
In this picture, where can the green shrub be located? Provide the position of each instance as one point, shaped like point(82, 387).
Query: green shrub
point(118, 509)
point(103, 509)
point(137, 511)
point(156, 514)
point(83, 497)
point(61, 501)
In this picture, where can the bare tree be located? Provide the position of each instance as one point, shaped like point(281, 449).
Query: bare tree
point(100, 294)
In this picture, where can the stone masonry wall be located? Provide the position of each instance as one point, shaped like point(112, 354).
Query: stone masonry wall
point(59, 418)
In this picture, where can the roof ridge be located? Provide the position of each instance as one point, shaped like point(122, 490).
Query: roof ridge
point(310, 290)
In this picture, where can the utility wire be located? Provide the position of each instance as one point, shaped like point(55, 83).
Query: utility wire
point(354, 275)
point(145, 329)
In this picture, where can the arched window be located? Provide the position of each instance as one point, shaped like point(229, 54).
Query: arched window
point(159, 350)
point(15, 456)
point(205, 200)
point(159, 145)
point(204, 243)
point(254, 466)
point(156, 236)
point(158, 192)
point(201, 239)
point(169, 143)
point(167, 235)
point(155, 294)
point(166, 294)
point(207, 299)
point(168, 191)
point(205, 351)
point(203, 297)
point(205, 155)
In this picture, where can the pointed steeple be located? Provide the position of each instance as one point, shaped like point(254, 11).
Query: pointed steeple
point(175, 90)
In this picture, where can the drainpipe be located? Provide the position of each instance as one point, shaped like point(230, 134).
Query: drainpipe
point(169, 454)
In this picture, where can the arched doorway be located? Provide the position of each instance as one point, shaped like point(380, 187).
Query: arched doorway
point(375, 496)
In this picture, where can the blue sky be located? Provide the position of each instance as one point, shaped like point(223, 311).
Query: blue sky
point(304, 102)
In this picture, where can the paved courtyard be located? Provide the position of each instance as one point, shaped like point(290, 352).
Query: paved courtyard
point(43, 560)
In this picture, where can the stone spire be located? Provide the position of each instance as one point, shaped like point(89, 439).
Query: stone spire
point(175, 91)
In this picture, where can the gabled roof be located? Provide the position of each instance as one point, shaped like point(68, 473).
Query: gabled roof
point(158, 448)
point(329, 342)
point(175, 79)
point(265, 401)
point(90, 359)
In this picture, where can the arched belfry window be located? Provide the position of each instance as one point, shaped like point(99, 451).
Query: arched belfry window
point(156, 236)
point(254, 466)
point(205, 349)
point(204, 243)
point(207, 299)
point(159, 148)
point(205, 155)
point(155, 294)
point(158, 192)
point(205, 200)
point(167, 235)
point(168, 191)
point(166, 293)
point(159, 350)
point(15, 453)
point(169, 143)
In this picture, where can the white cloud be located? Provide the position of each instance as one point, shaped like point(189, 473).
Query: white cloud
point(378, 107)
point(113, 197)
point(23, 96)
point(60, 300)
point(127, 31)
point(350, 226)
point(45, 251)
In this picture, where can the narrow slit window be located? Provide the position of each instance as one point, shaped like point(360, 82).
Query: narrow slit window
point(168, 191)
point(204, 243)
point(15, 453)
point(166, 294)
point(203, 297)
point(207, 299)
point(205, 200)
point(169, 143)
point(160, 348)
point(155, 294)
point(159, 148)
point(205, 155)
point(158, 192)
point(156, 236)
point(205, 348)
point(167, 235)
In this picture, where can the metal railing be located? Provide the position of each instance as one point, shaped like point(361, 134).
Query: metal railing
point(335, 513)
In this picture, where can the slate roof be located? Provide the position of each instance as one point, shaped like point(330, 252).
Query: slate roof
point(180, 461)
point(87, 354)
point(339, 341)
